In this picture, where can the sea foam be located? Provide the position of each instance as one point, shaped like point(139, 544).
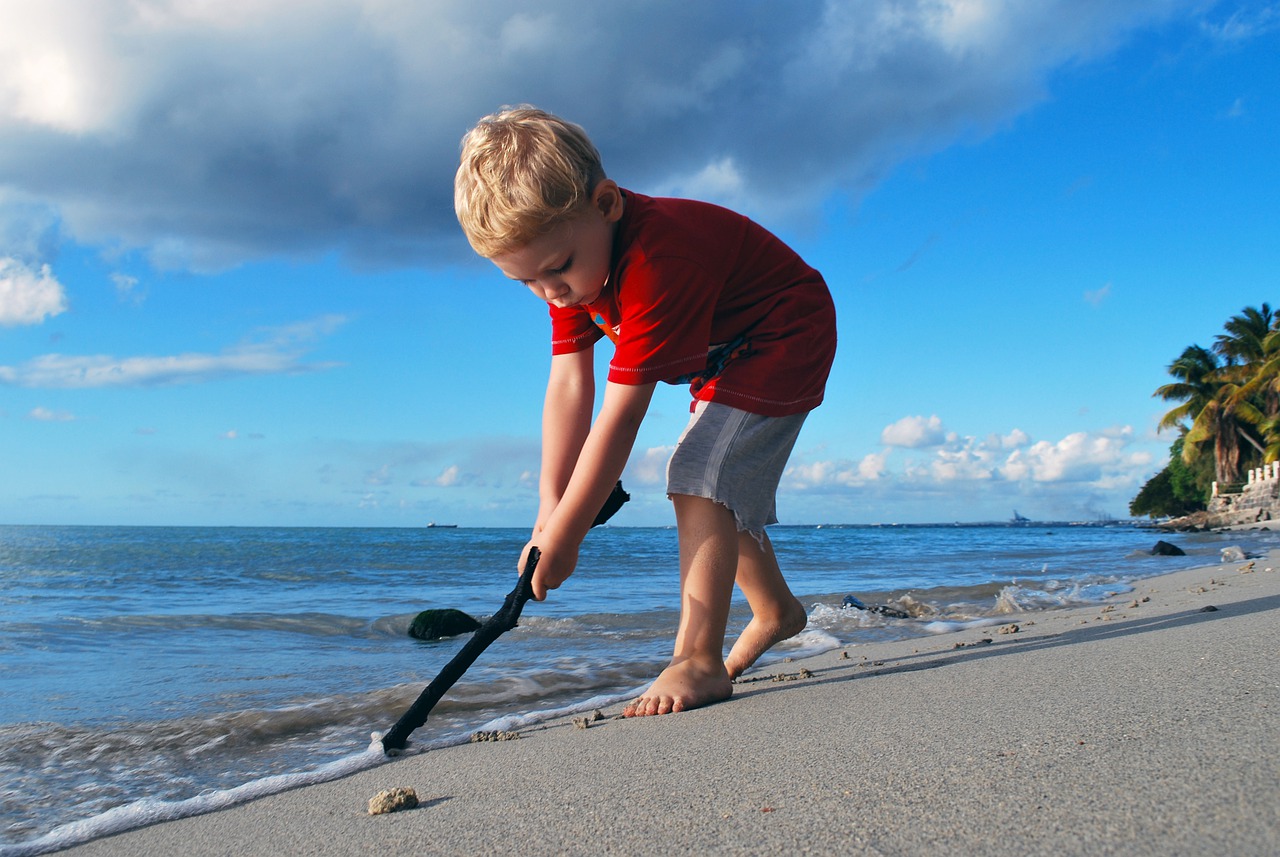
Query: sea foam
point(147, 811)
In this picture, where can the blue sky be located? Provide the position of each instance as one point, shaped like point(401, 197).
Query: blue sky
point(232, 290)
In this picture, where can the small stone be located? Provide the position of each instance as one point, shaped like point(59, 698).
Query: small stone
point(1163, 548)
point(795, 676)
point(1208, 608)
point(1233, 554)
point(844, 656)
point(582, 722)
point(393, 800)
point(438, 624)
point(479, 737)
point(1008, 629)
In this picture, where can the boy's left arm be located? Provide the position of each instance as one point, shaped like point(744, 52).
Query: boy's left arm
point(599, 466)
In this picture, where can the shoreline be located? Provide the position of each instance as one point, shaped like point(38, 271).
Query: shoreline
point(1135, 727)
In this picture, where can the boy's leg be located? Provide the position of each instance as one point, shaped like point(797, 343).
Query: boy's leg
point(776, 614)
point(696, 675)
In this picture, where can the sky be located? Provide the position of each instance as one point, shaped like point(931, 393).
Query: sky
point(233, 291)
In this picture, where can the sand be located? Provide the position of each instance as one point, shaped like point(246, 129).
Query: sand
point(1148, 726)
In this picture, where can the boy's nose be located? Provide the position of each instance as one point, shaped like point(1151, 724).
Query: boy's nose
point(554, 291)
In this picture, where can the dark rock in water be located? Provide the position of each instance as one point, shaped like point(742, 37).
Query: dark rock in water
point(434, 624)
point(883, 610)
point(1163, 548)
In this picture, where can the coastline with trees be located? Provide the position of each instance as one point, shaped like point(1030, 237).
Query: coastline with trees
point(1227, 419)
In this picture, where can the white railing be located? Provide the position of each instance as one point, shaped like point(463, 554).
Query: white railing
point(1258, 476)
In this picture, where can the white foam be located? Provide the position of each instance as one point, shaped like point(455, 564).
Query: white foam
point(940, 626)
point(143, 812)
point(511, 722)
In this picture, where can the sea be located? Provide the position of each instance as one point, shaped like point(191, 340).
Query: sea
point(151, 673)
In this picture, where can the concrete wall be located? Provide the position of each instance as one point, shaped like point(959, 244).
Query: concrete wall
point(1258, 501)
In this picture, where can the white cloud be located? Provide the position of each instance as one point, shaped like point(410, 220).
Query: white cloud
point(1097, 296)
point(45, 415)
point(872, 466)
point(806, 475)
point(28, 295)
point(125, 288)
point(1014, 439)
point(450, 477)
point(208, 133)
point(914, 432)
point(1078, 457)
point(1244, 23)
point(650, 468)
point(277, 351)
point(1097, 460)
point(718, 180)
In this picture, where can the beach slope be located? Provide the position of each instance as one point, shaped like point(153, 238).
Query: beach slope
point(1147, 726)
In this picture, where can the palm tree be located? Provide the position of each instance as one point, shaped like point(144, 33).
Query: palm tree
point(1255, 342)
point(1244, 342)
point(1197, 371)
point(1218, 402)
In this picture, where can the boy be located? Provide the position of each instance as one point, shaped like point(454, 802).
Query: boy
point(689, 293)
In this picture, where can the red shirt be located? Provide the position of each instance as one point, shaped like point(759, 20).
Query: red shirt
point(699, 294)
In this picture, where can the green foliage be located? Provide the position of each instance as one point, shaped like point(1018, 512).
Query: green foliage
point(1229, 396)
point(1192, 484)
point(1179, 489)
point(1155, 499)
point(1227, 416)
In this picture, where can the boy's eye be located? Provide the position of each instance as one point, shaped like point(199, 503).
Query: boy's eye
point(567, 263)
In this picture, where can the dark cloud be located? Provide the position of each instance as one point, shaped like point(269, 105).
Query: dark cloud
point(207, 134)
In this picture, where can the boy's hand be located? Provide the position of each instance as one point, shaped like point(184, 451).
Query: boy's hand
point(556, 563)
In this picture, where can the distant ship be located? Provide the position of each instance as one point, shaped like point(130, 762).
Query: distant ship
point(1018, 519)
point(432, 525)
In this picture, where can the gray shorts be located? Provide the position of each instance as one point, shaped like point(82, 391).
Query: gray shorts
point(735, 458)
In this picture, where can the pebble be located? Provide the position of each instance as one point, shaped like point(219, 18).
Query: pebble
point(393, 800)
point(478, 737)
point(585, 722)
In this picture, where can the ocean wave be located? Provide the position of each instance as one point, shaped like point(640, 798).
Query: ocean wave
point(147, 811)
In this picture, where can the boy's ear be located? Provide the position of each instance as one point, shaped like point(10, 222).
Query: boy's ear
point(607, 198)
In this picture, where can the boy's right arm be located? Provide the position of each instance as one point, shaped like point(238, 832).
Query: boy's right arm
point(566, 422)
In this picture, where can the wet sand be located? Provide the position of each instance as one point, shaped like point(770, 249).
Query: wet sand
point(1147, 726)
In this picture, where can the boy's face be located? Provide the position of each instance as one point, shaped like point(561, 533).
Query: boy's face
point(570, 264)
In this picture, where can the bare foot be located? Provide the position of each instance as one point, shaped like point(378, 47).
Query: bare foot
point(683, 685)
point(759, 636)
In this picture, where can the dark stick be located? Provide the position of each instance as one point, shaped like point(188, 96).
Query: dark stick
point(497, 624)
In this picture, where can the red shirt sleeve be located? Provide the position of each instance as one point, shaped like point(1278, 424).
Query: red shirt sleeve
point(572, 330)
point(666, 310)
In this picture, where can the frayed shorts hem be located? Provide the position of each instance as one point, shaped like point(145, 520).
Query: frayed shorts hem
point(736, 459)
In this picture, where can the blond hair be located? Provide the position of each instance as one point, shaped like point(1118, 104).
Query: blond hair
point(523, 172)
